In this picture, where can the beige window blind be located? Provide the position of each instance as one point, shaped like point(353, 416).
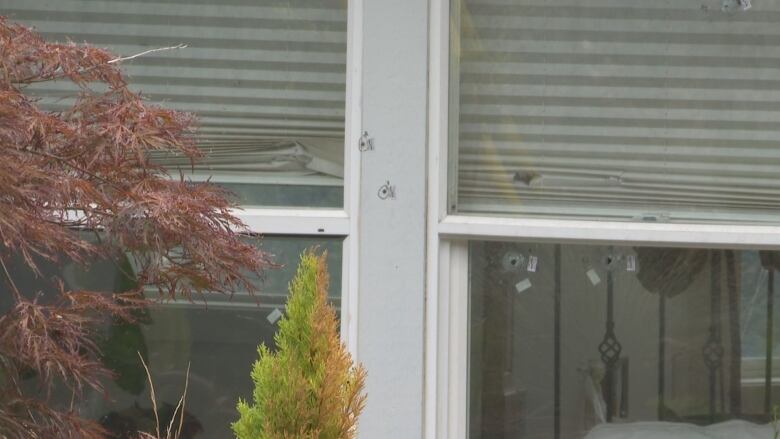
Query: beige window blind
point(663, 110)
point(265, 77)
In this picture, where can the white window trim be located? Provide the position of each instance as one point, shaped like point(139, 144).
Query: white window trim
point(446, 338)
point(595, 232)
point(332, 222)
point(352, 178)
point(295, 221)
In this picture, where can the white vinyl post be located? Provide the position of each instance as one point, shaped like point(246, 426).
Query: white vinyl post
point(392, 222)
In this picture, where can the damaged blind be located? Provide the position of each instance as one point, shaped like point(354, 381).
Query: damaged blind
point(665, 110)
point(265, 77)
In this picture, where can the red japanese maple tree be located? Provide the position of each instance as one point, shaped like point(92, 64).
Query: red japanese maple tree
point(88, 168)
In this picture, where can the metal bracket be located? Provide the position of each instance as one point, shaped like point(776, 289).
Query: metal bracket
point(365, 143)
point(735, 5)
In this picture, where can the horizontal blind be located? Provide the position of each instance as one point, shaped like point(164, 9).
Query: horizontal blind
point(623, 109)
point(265, 77)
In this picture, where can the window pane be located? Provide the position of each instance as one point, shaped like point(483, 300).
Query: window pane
point(597, 342)
point(219, 339)
point(628, 110)
point(266, 79)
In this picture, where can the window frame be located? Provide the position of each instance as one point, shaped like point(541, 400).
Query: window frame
point(447, 277)
point(332, 222)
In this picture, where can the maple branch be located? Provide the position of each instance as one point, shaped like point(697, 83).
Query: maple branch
point(32, 79)
point(57, 179)
point(74, 167)
point(146, 52)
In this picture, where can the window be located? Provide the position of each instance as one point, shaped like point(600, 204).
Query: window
point(267, 81)
point(603, 230)
point(564, 338)
point(269, 84)
point(218, 340)
point(632, 110)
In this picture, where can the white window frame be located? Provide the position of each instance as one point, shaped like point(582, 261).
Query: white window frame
point(330, 222)
point(446, 338)
point(341, 222)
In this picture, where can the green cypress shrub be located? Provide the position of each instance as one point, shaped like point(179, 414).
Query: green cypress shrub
point(309, 388)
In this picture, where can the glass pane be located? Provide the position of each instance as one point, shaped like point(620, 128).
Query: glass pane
point(219, 339)
point(266, 79)
point(622, 110)
point(602, 342)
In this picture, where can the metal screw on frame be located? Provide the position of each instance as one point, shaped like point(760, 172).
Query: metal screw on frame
point(365, 143)
point(386, 192)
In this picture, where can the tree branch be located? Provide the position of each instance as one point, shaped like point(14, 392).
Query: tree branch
point(10, 280)
point(31, 80)
point(146, 52)
point(75, 167)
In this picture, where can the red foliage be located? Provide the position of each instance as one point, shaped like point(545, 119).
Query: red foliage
point(89, 168)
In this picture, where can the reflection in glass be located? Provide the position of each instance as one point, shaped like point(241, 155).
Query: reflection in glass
point(633, 110)
point(219, 338)
point(600, 341)
point(265, 78)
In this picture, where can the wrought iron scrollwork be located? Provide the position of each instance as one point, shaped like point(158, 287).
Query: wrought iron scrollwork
point(713, 350)
point(610, 348)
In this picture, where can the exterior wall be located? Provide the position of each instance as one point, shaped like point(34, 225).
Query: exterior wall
point(392, 231)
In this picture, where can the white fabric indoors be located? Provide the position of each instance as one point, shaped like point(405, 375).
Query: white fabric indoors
point(664, 430)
